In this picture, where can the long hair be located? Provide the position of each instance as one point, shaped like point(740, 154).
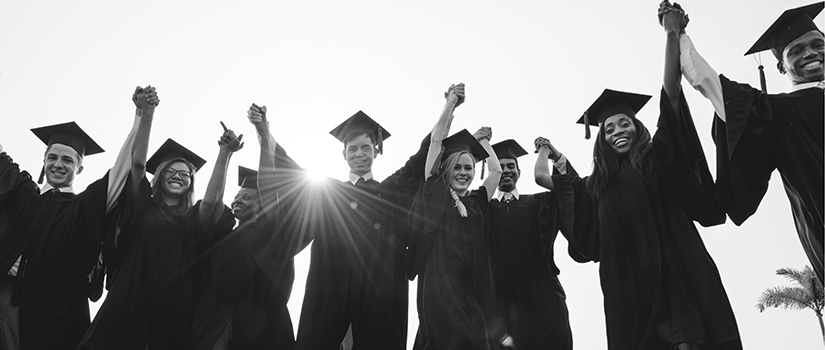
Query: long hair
point(188, 198)
point(606, 162)
point(446, 167)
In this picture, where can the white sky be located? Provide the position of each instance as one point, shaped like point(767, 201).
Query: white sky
point(531, 68)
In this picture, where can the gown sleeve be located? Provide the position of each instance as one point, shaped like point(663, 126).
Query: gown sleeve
point(678, 148)
point(550, 220)
point(427, 209)
point(578, 214)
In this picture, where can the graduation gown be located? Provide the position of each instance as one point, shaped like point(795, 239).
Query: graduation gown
point(59, 236)
point(451, 258)
point(763, 132)
point(248, 284)
point(660, 285)
point(523, 233)
point(155, 267)
point(356, 274)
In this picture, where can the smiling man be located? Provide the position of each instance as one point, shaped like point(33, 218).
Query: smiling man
point(524, 231)
point(757, 132)
point(52, 237)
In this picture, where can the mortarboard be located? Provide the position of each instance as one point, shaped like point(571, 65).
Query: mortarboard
point(609, 103)
point(247, 178)
point(789, 26)
point(463, 141)
point(361, 121)
point(171, 149)
point(69, 134)
point(508, 149)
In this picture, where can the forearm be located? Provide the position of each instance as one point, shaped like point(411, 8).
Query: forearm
point(491, 182)
point(213, 198)
point(140, 148)
point(542, 169)
point(121, 170)
point(701, 75)
point(266, 167)
point(672, 76)
point(438, 134)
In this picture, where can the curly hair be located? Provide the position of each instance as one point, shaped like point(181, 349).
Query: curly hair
point(606, 162)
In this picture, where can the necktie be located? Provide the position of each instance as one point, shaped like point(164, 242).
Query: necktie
point(508, 197)
point(361, 182)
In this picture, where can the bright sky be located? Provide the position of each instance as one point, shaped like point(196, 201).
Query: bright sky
point(531, 68)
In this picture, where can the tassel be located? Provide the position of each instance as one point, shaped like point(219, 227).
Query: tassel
point(462, 210)
point(483, 168)
point(380, 137)
point(42, 173)
point(586, 126)
point(762, 79)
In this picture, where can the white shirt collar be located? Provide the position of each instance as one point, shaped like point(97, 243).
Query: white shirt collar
point(353, 178)
point(802, 86)
point(47, 186)
point(498, 194)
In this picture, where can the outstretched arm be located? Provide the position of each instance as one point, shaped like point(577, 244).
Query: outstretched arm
point(544, 177)
point(145, 99)
point(212, 203)
point(491, 182)
point(266, 164)
point(455, 96)
point(674, 20)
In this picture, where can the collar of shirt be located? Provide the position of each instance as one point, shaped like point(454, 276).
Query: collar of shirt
point(353, 178)
point(803, 86)
point(47, 186)
point(498, 194)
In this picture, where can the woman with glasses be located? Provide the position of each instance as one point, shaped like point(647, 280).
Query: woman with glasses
point(156, 255)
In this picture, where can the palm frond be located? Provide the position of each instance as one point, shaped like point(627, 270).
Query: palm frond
point(786, 297)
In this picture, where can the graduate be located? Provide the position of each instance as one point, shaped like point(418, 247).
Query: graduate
point(359, 226)
point(155, 261)
point(252, 268)
point(523, 232)
point(634, 215)
point(757, 132)
point(450, 250)
point(51, 237)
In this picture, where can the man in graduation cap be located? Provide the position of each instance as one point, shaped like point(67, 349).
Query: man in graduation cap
point(523, 234)
point(757, 132)
point(52, 237)
point(356, 276)
point(244, 304)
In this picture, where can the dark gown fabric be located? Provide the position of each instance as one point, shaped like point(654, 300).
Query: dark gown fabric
point(763, 132)
point(356, 274)
point(660, 285)
point(533, 302)
point(248, 284)
point(60, 236)
point(451, 257)
point(155, 266)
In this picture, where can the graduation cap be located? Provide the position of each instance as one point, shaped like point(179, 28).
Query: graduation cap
point(610, 103)
point(247, 178)
point(463, 141)
point(361, 121)
point(789, 26)
point(169, 150)
point(69, 134)
point(509, 149)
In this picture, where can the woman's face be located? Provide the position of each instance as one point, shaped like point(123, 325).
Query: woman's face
point(461, 175)
point(619, 132)
point(246, 205)
point(176, 179)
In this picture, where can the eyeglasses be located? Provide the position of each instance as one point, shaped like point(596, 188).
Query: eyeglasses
point(184, 174)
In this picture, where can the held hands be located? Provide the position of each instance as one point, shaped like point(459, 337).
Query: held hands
point(229, 142)
point(484, 132)
point(542, 142)
point(673, 18)
point(146, 99)
point(455, 93)
point(257, 116)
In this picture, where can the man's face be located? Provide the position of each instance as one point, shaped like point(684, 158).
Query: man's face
point(60, 164)
point(802, 58)
point(359, 153)
point(246, 205)
point(509, 174)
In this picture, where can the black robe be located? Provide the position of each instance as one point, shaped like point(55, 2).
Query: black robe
point(660, 285)
point(356, 274)
point(451, 257)
point(523, 233)
point(155, 261)
point(763, 132)
point(60, 236)
point(248, 283)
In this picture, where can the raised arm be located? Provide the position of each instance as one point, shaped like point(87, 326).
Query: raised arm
point(674, 20)
point(455, 96)
point(266, 163)
point(544, 177)
point(145, 99)
point(491, 182)
point(212, 203)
